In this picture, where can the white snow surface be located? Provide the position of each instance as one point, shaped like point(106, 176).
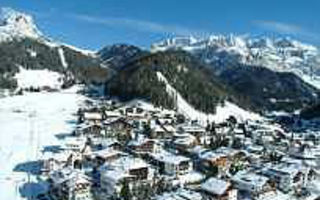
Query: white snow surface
point(32, 53)
point(62, 58)
point(222, 113)
point(14, 24)
point(29, 123)
point(314, 81)
point(27, 78)
point(80, 50)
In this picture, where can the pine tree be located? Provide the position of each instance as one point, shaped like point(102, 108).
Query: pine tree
point(125, 193)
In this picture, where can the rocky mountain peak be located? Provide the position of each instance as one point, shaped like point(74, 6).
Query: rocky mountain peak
point(15, 24)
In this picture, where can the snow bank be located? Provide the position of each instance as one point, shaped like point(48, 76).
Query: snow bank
point(29, 123)
point(38, 78)
point(223, 111)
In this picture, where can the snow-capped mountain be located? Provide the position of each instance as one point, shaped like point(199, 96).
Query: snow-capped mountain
point(29, 59)
point(278, 54)
point(18, 25)
point(14, 24)
point(116, 56)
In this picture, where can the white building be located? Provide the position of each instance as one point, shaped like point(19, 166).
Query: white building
point(172, 164)
point(219, 189)
point(250, 182)
point(286, 176)
point(180, 194)
point(127, 169)
point(69, 184)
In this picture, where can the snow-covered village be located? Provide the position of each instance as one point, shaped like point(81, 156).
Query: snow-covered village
point(80, 146)
point(158, 113)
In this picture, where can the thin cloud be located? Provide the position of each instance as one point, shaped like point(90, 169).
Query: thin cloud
point(136, 24)
point(284, 28)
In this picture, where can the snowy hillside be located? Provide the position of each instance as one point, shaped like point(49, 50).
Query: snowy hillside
point(280, 54)
point(14, 24)
point(223, 112)
point(116, 56)
point(22, 45)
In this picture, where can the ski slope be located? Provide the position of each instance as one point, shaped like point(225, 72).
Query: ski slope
point(62, 58)
point(29, 123)
point(222, 113)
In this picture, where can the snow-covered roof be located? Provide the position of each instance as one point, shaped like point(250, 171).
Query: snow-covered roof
point(238, 131)
point(112, 113)
point(113, 120)
point(197, 150)
point(274, 196)
point(105, 153)
point(191, 177)
point(180, 194)
point(254, 148)
point(142, 104)
point(218, 153)
point(114, 175)
point(249, 179)
point(126, 163)
point(210, 155)
point(93, 116)
point(184, 141)
point(73, 176)
point(120, 168)
point(306, 154)
point(107, 142)
point(167, 157)
point(226, 150)
point(192, 128)
point(283, 169)
point(215, 186)
point(166, 113)
point(139, 140)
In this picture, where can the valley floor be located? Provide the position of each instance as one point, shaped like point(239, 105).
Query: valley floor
point(29, 123)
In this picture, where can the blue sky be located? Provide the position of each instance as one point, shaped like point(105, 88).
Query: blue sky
point(96, 23)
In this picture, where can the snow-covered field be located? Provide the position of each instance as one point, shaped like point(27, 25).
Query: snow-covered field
point(28, 123)
point(38, 78)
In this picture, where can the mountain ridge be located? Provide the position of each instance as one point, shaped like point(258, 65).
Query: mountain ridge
point(23, 47)
point(278, 54)
point(204, 72)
